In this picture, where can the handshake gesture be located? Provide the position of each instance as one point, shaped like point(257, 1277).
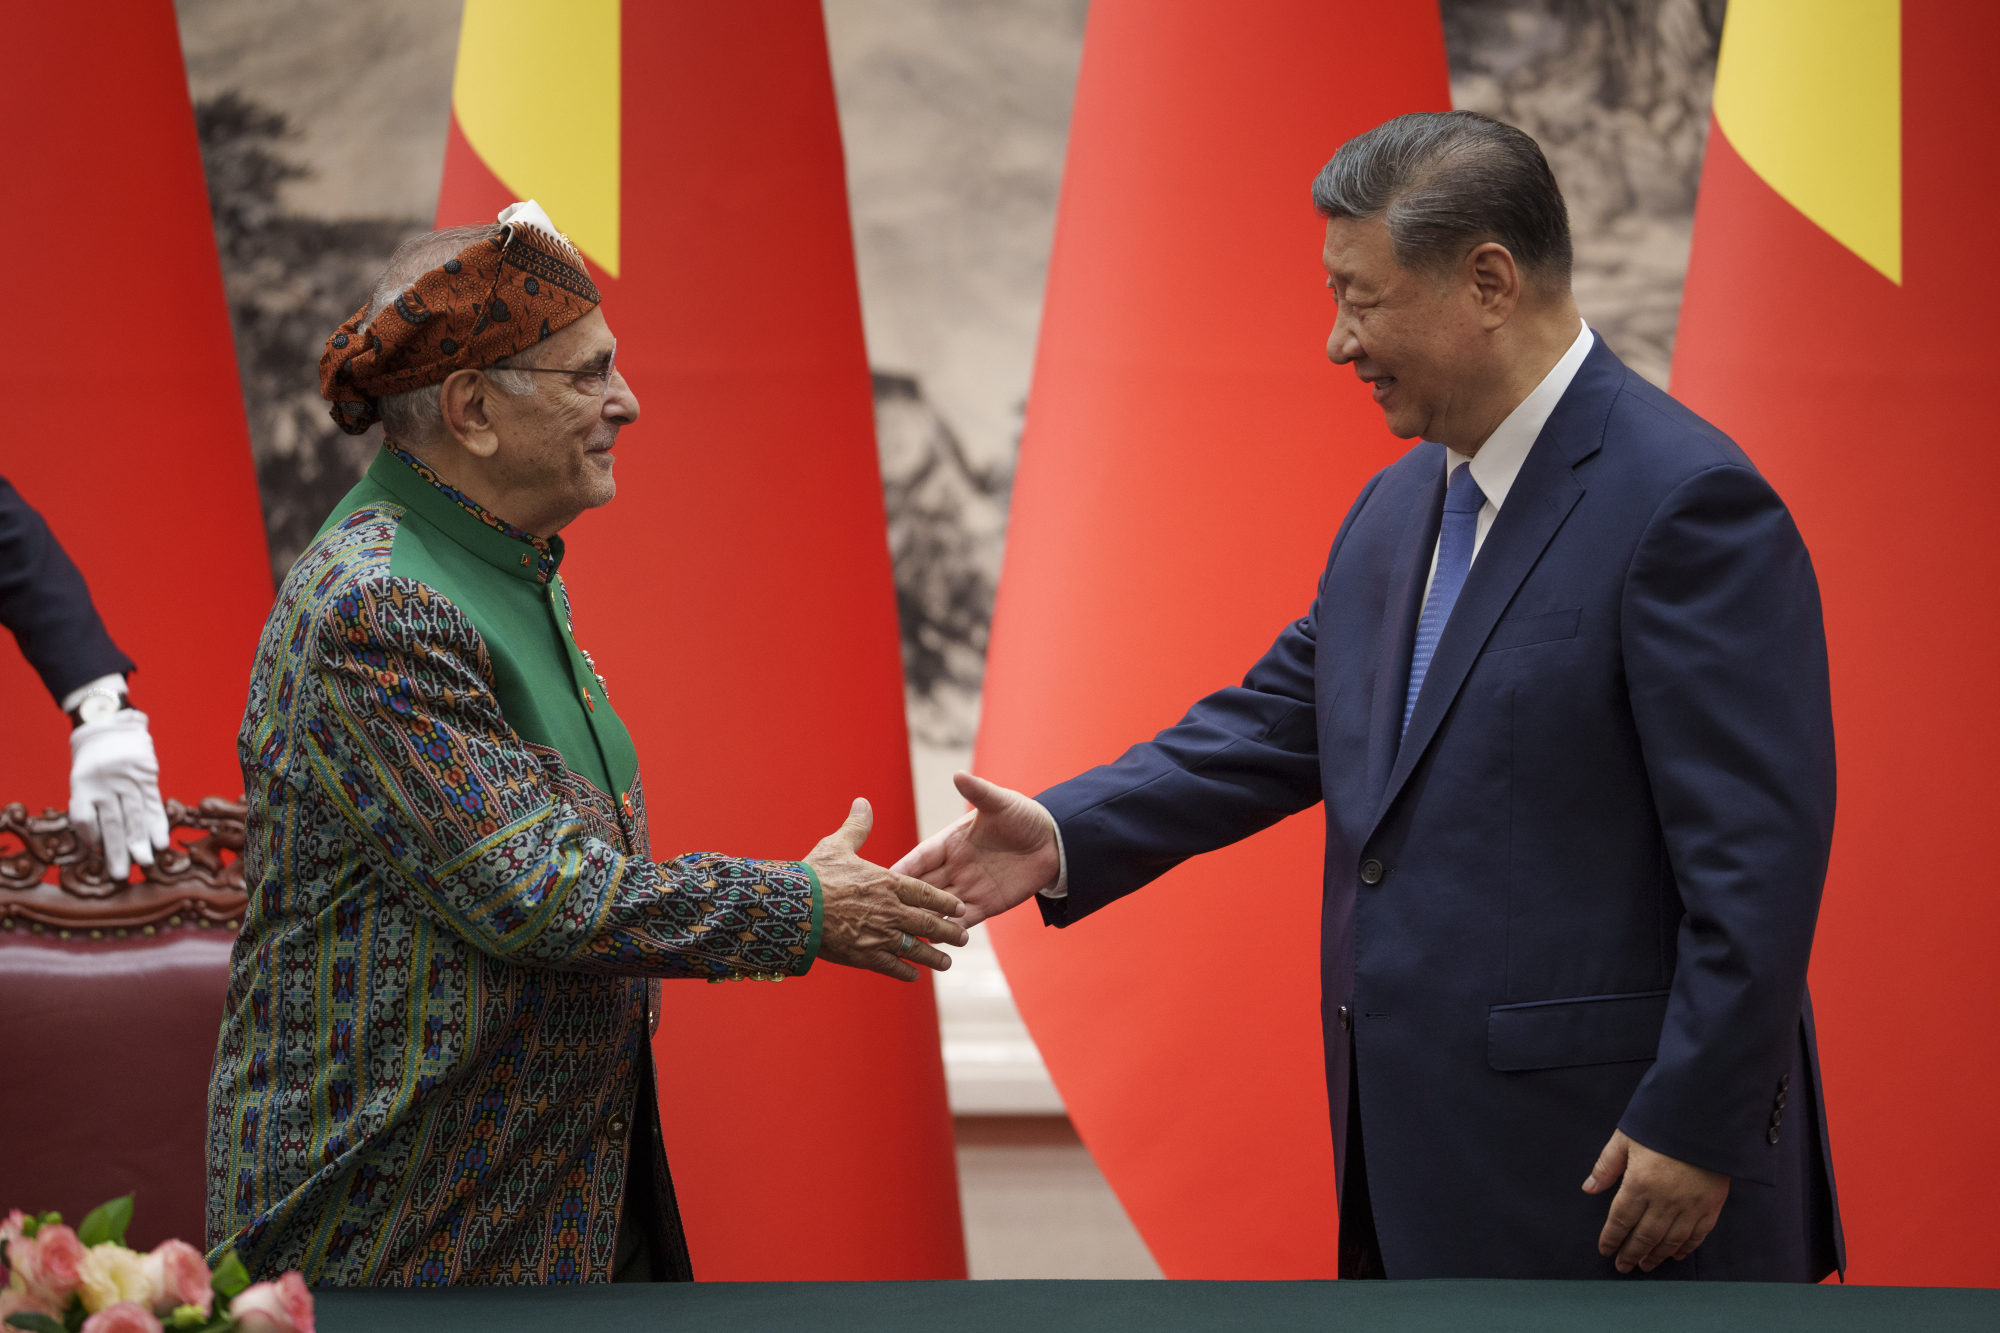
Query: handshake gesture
point(998, 854)
point(874, 918)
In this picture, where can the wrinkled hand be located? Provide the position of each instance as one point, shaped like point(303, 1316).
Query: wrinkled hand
point(866, 910)
point(998, 854)
point(114, 791)
point(1664, 1210)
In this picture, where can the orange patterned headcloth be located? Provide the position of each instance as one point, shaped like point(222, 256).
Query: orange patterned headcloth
point(495, 298)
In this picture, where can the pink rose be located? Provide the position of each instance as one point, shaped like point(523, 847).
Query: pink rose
point(177, 1275)
point(284, 1306)
point(48, 1268)
point(10, 1231)
point(124, 1317)
point(15, 1301)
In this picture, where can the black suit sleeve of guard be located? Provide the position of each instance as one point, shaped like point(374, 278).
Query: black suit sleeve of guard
point(46, 605)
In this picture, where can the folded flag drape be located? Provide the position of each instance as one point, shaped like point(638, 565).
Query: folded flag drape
point(737, 595)
point(1838, 324)
point(125, 424)
point(1187, 457)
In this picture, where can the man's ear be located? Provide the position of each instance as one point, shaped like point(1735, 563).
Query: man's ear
point(1495, 280)
point(466, 399)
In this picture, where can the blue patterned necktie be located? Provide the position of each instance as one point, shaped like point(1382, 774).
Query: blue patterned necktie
point(1462, 502)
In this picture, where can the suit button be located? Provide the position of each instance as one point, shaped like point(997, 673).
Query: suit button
point(1346, 1018)
point(1371, 871)
point(1777, 1117)
point(1781, 1098)
point(1785, 1082)
point(1772, 1137)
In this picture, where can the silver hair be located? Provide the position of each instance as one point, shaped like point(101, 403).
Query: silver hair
point(416, 416)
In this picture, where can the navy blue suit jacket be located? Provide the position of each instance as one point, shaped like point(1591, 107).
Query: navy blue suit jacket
point(46, 605)
point(1580, 893)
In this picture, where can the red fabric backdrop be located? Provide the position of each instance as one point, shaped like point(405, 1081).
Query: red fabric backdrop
point(1864, 403)
point(124, 420)
point(738, 597)
point(1188, 455)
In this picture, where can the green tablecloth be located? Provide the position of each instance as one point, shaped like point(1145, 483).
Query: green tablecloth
point(1051, 1307)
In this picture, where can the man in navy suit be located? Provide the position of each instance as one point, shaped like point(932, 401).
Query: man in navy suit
point(1563, 693)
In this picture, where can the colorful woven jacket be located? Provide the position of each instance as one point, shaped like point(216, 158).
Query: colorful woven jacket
point(434, 1063)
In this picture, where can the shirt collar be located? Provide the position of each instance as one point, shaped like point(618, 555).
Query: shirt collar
point(493, 539)
point(1499, 460)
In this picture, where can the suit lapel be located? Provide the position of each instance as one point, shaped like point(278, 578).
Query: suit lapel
point(1541, 498)
point(1399, 632)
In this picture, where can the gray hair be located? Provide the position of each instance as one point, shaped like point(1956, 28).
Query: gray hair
point(416, 416)
point(1446, 181)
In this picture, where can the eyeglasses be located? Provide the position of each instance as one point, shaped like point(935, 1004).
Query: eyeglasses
point(594, 381)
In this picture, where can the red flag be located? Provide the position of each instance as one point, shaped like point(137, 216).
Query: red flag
point(737, 593)
point(1187, 457)
point(125, 422)
point(1838, 324)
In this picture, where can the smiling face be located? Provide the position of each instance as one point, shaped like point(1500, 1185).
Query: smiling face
point(1415, 338)
point(554, 459)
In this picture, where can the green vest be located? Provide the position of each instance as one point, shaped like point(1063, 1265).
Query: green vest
point(505, 581)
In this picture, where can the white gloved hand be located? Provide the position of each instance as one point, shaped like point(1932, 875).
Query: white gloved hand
point(114, 790)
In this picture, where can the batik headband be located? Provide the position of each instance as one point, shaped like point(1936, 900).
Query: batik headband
point(495, 298)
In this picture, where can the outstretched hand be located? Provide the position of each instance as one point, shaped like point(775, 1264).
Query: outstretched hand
point(996, 855)
point(874, 918)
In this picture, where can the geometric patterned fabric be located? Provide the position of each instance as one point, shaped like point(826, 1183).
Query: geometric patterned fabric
point(438, 1008)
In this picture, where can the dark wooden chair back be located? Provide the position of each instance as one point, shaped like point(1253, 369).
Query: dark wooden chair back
point(111, 996)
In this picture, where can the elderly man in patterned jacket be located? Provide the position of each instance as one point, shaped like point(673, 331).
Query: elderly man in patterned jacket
point(434, 1065)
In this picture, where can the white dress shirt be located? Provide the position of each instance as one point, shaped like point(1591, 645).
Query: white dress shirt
point(1494, 467)
point(1499, 460)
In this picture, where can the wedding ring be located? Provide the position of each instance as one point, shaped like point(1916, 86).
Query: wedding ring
point(907, 945)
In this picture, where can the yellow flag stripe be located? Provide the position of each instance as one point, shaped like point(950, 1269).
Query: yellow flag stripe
point(536, 94)
point(1810, 93)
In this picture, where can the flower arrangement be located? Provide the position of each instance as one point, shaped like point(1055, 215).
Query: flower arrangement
point(59, 1280)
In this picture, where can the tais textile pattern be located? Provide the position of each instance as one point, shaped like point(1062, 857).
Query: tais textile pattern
point(439, 996)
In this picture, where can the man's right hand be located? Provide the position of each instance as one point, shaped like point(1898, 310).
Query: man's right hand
point(997, 855)
point(867, 913)
point(114, 791)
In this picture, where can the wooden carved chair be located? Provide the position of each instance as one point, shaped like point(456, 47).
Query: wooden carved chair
point(110, 999)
